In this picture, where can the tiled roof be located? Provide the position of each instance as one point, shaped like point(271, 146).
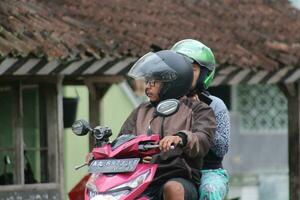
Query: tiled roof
point(252, 34)
point(28, 28)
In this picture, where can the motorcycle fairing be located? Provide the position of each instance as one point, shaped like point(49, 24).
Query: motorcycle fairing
point(106, 182)
point(128, 148)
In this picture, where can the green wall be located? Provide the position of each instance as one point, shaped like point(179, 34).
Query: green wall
point(76, 147)
point(115, 108)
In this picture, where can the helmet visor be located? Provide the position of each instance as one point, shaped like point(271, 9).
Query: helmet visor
point(152, 67)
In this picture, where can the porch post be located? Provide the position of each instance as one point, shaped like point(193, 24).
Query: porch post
point(17, 129)
point(292, 93)
point(96, 93)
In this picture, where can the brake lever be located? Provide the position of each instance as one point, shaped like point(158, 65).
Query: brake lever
point(80, 166)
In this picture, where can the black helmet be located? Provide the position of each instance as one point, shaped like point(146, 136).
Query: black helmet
point(174, 70)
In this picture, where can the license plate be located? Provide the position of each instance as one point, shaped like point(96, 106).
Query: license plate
point(113, 165)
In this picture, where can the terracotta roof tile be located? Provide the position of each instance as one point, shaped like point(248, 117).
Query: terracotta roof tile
point(257, 34)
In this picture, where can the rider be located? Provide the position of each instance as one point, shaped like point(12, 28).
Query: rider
point(169, 75)
point(214, 180)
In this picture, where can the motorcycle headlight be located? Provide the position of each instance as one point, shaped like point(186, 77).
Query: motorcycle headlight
point(118, 191)
point(90, 184)
point(133, 183)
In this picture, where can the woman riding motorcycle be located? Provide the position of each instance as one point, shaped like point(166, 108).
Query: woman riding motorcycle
point(214, 180)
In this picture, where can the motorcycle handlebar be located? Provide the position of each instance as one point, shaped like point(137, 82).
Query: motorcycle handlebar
point(145, 147)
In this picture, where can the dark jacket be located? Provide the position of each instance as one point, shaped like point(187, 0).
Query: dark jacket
point(193, 118)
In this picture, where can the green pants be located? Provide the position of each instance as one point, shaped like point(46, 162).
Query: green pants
point(214, 184)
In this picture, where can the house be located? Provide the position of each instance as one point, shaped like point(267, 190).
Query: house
point(47, 44)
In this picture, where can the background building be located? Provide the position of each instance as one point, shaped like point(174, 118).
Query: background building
point(48, 47)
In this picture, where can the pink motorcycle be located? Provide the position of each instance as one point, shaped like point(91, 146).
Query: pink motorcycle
point(117, 170)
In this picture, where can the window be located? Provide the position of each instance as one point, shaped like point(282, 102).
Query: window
point(35, 152)
point(35, 141)
point(262, 109)
point(6, 141)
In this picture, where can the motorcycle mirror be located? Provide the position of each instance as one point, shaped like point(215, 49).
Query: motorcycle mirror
point(167, 107)
point(81, 127)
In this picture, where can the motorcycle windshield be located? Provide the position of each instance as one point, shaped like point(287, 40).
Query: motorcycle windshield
point(121, 140)
point(152, 67)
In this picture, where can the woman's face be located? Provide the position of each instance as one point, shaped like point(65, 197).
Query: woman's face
point(152, 90)
point(196, 70)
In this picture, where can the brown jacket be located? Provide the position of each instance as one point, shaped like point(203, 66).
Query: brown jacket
point(194, 118)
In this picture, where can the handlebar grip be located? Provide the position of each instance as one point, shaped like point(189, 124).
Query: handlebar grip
point(152, 146)
point(148, 146)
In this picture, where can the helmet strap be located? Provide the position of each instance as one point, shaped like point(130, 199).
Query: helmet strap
point(208, 79)
point(200, 82)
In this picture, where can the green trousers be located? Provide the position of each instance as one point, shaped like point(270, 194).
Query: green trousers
point(214, 184)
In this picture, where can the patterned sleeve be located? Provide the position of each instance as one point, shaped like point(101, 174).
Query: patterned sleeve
point(222, 136)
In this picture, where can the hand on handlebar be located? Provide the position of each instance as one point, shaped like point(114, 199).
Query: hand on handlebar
point(166, 143)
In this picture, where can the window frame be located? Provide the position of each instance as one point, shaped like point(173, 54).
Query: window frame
point(50, 94)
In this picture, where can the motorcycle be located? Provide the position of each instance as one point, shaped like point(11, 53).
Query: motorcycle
point(117, 170)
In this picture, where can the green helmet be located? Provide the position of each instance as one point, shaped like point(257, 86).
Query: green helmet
point(202, 55)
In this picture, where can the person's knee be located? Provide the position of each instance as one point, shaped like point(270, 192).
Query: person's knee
point(173, 188)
